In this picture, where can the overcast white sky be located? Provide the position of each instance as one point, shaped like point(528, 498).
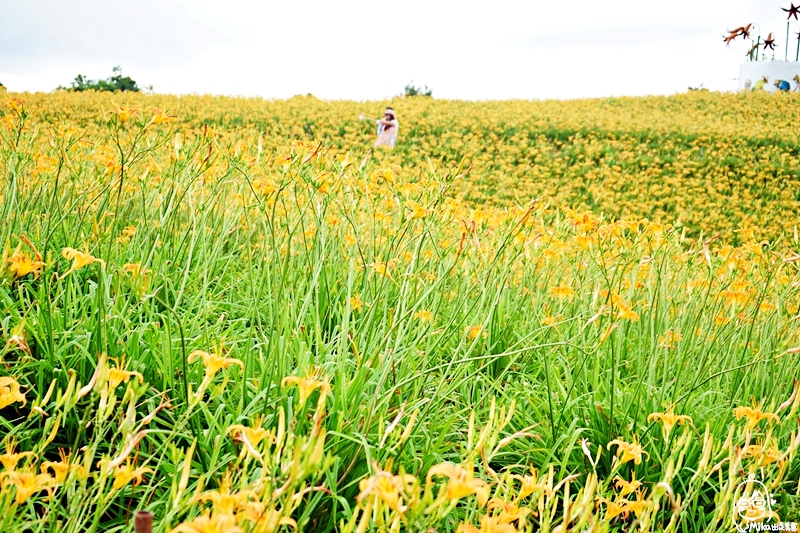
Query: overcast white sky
point(360, 50)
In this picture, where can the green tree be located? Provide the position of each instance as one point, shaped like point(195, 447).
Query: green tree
point(114, 83)
point(413, 90)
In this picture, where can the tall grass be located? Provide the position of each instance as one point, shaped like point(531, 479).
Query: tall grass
point(407, 356)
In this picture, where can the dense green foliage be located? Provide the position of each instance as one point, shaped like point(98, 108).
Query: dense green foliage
point(114, 83)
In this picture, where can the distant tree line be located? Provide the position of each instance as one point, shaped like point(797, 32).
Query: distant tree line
point(413, 90)
point(114, 83)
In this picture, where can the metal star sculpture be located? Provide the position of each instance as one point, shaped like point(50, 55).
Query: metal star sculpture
point(793, 11)
point(732, 35)
point(769, 42)
point(744, 31)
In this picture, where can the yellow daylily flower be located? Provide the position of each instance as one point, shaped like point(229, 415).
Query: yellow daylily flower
point(26, 483)
point(766, 454)
point(117, 376)
point(627, 487)
point(423, 315)
point(382, 269)
point(225, 502)
point(124, 113)
point(614, 508)
point(209, 524)
point(254, 435)
point(10, 459)
point(16, 105)
point(473, 332)
point(530, 484)
point(306, 385)
point(62, 468)
point(640, 505)
point(489, 524)
point(79, 259)
point(460, 482)
point(395, 491)
point(161, 117)
point(265, 519)
point(414, 210)
point(214, 362)
point(125, 473)
point(668, 420)
point(20, 265)
point(508, 511)
point(562, 291)
point(628, 451)
point(10, 392)
point(754, 415)
point(355, 303)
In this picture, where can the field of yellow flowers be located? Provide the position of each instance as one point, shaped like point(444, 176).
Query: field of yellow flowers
point(530, 316)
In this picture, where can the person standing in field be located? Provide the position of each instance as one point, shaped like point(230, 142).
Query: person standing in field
point(387, 129)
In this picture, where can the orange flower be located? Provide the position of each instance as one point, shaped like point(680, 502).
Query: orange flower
point(250, 437)
point(509, 511)
point(489, 524)
point(117, 376)
point(628, 451)
point(754, 415)
point(423, 315)
point(20, 264)
point(161, 117)
point(16, 105)
point(27, 484)
point(766, 455)
point(10, 460)
point(530, 484)
point(265, 519)
point(126, 234)
point(124, 474)
point(382, 269)
point(225, 502)
point(615, 508)
point(79, 259)
point(460, 482)
point(306, 385)
point(627, 487)
point(254, 435)
point(10, 392)
point(385, 173)
point(550, 320)
point(474, 331)
point(668, 420)
point(393, 491)
point(62, 468)
point(124, 113)
point(355, 303)
point(214, 362)
point(639, 506)
point(625, 312)
point(210, 524)
point(414, 210)
point(562, 291)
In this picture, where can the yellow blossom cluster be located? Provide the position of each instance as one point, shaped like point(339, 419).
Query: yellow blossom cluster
point(714, 162)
